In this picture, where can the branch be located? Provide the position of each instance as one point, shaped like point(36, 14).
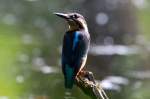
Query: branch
point(89, 86)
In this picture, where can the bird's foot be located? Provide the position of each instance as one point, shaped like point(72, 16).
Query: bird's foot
point(87, 74)
point(82, 73)
point(90, 76)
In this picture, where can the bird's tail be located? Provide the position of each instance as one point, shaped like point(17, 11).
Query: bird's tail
point(69, 77)
point(69, 83)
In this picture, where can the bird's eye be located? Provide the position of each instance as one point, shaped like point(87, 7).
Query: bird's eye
point(74, 16)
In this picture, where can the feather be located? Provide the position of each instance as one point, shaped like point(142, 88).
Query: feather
point(74, 53)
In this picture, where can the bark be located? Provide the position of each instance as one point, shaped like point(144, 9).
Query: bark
point(90, 87)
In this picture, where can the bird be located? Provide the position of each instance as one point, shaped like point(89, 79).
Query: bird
point(76, 42)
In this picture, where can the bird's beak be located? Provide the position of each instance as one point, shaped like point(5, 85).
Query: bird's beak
point(62, 15)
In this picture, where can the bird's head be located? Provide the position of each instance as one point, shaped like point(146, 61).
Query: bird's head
point(76, 21)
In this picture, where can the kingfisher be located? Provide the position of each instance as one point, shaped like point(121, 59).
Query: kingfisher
point(75, 48)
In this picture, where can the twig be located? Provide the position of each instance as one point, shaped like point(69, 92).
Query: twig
point(90, 87)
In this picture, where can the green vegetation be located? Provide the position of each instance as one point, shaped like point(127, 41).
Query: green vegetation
point(10, 46)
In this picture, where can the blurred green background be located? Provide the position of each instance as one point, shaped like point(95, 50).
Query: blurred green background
point(31, 38)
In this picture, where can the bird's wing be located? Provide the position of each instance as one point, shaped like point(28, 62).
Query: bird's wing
point(66, 52)
point(80, 52)
point(67, 67)
point(74, 53)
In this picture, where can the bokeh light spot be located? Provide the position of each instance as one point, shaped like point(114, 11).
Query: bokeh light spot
point(102, 18)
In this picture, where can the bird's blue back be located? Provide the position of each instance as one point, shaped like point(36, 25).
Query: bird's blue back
point(75, 48)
